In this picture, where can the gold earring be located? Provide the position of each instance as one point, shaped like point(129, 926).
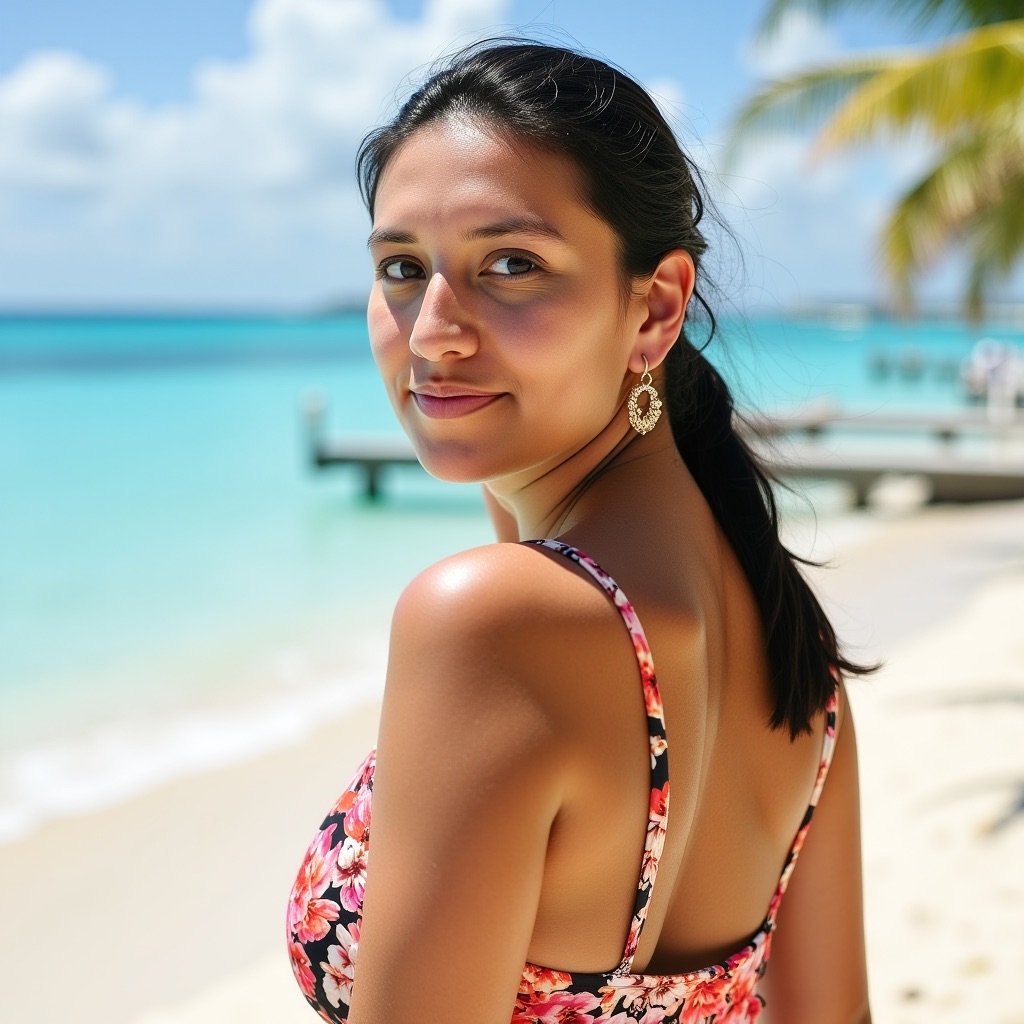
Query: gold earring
point(643, 422)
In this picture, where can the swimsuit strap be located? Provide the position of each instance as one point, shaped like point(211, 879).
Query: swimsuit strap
point(658, 817)
point(828, 746)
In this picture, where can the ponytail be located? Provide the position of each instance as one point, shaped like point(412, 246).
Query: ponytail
point(803, 652)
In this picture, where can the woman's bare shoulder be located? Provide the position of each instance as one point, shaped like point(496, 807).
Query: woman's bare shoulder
point(497, 587)
point(511, 614)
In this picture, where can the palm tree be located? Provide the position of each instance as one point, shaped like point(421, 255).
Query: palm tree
point(966, 93)
point(953, 12)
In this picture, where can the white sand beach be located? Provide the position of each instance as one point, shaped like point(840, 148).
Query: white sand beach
point(169, 908)
point(942, 762)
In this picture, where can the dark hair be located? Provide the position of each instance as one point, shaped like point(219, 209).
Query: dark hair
point(635, 176)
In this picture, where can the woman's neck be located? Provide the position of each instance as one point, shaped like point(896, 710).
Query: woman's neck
point(609, 479)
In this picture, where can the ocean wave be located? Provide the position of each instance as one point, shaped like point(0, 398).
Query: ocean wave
point(117, 761)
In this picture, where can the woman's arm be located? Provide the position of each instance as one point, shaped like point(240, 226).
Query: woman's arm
point(817, 972)
point(468, 783)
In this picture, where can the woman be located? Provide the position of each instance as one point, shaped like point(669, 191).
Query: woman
point(538, 255)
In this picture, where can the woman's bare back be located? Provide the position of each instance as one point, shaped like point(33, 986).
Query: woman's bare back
point(739, 790)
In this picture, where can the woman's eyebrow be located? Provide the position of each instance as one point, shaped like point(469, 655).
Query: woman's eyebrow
point(515, 226)
point(383, 235)
point(511, 226)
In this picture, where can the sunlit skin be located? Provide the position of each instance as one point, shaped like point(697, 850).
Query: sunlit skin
point(513, 770)
point(500, 280)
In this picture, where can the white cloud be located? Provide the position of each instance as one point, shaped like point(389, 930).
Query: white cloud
point(58, 123)
point(811, 228)
point(245, 193)
point(257, 166)
point(801, 40)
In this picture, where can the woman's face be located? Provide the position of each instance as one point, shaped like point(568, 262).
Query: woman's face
point(496, 317)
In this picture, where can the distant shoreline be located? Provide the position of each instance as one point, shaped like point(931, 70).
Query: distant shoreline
point(1010, 314)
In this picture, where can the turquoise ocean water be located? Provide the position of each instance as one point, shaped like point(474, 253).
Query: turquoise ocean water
point(164, 544)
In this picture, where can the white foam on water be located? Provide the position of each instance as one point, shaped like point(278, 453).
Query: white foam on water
point(116, 761)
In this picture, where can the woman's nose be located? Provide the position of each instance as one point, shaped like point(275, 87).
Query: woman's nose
point(442, 327)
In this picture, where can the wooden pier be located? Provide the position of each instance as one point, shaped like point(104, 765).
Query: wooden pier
point(953, 478)
point(372, 453)
point(826, 417)
point(798, 451)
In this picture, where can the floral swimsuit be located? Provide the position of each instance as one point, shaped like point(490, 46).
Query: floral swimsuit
point(325, 909)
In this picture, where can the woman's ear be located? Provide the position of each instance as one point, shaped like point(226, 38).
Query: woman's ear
point(664, 295)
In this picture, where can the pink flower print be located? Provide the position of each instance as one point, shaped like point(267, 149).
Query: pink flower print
point(638, 992)
point(652, 697)
point(746, 969)
point(652, 1015)
point(521, 1011)
point(658, 747)
point(362, 778)
point(302, 969)
point(542, 979)
point(706, 999)
point(349, 873)
point(563, 1008)
point(343, 803)
point(659, 802)
point(357, 819)
point(744, 1004)
point(316, 922)
point(664, 994)
point(747, 1006)
point(628, 612)
point(309, 917)
point(643, 657)
point(655, 841)
point(748, 960)
point(798, 843)
point(341, 965)
point(633, 938)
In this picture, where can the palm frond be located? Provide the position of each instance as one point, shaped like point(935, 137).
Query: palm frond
point(802, 101)
point(996, 243)
point(960, 84)
point(954, 13)
point(947, 204)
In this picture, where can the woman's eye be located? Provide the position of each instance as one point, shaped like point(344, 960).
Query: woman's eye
point(512, 266)
point(400, 270)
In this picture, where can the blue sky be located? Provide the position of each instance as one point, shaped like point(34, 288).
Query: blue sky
point(198, 153)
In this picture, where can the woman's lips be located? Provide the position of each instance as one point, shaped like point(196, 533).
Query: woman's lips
point(452, 406)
